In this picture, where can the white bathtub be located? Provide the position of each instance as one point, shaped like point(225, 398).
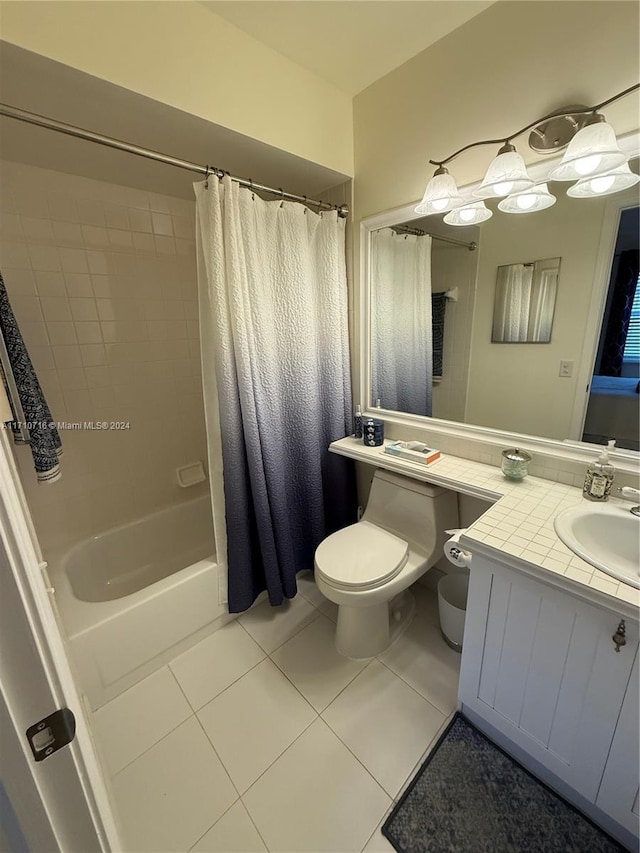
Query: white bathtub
point(135, 596)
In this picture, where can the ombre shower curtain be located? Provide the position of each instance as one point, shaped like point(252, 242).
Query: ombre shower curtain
point(401, 334)
point(513, 301)
point(275, 355)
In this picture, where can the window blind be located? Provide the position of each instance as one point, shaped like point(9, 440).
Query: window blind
point(632, 343)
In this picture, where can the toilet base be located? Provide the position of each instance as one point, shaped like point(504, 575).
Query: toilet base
point(365, 632)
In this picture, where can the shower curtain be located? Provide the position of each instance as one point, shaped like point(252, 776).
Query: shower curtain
point(275, 353)
point(511, 321)
point(401, 335)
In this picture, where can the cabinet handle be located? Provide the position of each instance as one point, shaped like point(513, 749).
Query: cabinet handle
point(619, 638)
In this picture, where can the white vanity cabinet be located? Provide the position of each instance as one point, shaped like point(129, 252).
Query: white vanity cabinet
point(540, 666)
point(618, 795)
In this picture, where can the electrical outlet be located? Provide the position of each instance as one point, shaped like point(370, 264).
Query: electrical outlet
point(566, 368)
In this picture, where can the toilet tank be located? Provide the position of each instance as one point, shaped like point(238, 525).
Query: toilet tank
point(415, 511)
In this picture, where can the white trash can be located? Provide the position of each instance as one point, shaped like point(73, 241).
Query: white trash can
point(452, 607)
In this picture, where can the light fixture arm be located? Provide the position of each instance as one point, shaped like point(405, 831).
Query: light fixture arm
point(504, 140)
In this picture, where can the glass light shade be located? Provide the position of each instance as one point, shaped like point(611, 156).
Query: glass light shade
point(592, 151)
point(613, 181)
point(506, 174)
point(469, 214)
point(528, 201)
point(441, 194)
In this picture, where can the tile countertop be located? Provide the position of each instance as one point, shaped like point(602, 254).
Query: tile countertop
point(518, 527)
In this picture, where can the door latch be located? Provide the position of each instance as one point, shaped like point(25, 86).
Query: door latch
point(619, 638)
point(51, 733)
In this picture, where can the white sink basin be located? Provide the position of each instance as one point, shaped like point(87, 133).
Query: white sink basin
point(607, 536)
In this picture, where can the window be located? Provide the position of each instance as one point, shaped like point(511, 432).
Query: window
point(632, 343)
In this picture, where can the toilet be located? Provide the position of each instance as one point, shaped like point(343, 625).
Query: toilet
point(366, 568)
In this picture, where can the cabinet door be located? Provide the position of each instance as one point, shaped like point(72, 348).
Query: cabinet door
point(619, 789)
point(545, 672)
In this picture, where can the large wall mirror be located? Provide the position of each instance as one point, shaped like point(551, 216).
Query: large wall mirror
point(432, 293)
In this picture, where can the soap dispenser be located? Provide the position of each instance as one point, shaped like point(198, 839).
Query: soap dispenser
point(597, 483)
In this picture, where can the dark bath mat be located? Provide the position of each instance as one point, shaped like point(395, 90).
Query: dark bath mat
point(471, 797)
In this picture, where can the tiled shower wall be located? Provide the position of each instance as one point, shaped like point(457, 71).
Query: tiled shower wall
point(102, 279)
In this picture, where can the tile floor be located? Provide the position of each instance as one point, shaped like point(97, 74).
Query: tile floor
point(262, 737)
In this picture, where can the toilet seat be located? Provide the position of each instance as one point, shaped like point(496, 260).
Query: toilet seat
point(361, 556)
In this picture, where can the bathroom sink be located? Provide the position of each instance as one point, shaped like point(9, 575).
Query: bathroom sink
point(606, 536)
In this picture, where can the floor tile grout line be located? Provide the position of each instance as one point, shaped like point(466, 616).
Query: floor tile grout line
point(295, 633)
point(428, 701)
point(224, 689)
point(224, 767)
point(360, 762)
point(286, 749)
point(385, 815)
point(155, 743)
point(244, 806)
point(445, 716)
point(298, 689)
point(423, 757)
point(280, 753)
point(215, 823)
point(222, 764)
point(164, 736)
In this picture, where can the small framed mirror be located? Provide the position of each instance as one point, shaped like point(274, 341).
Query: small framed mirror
point(525, 301)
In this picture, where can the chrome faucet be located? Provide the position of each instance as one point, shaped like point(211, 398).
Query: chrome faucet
point(630, 494)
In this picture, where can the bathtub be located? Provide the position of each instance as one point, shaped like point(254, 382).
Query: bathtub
point(133, 597)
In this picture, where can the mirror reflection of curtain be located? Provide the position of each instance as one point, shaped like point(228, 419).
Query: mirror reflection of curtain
point(525, 302)
point(513, 302)
point(542, 303)
point(401, 334)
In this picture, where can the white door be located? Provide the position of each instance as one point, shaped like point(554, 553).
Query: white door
point(59, 803)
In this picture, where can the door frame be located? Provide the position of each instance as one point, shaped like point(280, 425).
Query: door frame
point(90, 798)
point(599, 291)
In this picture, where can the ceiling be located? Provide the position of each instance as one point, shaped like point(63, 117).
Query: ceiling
point(349, 43)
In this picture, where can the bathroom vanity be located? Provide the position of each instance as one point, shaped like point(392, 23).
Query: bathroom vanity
point(548, 670)
point(541, 672)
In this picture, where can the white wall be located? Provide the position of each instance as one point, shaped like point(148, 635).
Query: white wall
point(181, 54)
point(517, 387)
point(511, 63)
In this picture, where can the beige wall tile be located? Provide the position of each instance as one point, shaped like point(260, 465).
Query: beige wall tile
point(103, 282)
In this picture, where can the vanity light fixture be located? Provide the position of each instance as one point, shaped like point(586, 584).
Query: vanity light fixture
point(469, 214)
point(529, 201)
point(611, 182)
point(441, 194)
point(506, 174)
point(592, 152)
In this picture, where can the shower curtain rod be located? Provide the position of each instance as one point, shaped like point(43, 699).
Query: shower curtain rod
point(150, 154)
point(418, 232)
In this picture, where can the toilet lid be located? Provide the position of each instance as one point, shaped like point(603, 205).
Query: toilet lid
point(361, 556)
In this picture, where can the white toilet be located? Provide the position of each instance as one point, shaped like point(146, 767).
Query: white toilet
point(366, 567)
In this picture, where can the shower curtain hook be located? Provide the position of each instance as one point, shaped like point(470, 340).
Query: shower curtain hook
point(206, 177)
point(305, 205)
point(253, 195)
point(281, 196)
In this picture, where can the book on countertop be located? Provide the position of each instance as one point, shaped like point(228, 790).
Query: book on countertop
point(415, 451)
